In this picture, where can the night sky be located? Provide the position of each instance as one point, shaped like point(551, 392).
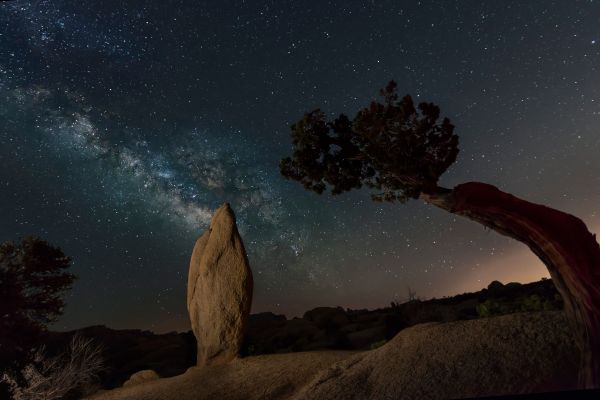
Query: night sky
point(124, 125)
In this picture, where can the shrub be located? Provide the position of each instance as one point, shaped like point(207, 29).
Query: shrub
point(537, 303)
point(66, 376)
point(532, 303)
point(489, 308)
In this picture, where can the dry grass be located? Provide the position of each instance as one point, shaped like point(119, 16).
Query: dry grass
point(60, 377)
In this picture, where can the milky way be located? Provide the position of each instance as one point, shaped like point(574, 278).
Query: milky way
point(124, 125)
point(177, 179)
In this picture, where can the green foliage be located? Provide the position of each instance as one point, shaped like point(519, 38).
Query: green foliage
point(536, 303)
point(33, 279)
point(394, 147)
point(533, 302)
point(489, 308)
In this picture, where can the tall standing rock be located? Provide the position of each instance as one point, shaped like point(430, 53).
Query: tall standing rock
point(219, 293)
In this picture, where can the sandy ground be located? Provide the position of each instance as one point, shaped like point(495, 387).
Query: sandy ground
point(518, 353)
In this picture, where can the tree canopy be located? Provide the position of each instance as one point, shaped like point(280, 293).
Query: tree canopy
point(33, 278)
point(393, 147)
point(402, 151)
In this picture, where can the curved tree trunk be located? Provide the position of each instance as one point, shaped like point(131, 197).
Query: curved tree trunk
point(563, 243)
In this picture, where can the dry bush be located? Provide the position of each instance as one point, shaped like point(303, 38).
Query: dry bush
point(60, 377)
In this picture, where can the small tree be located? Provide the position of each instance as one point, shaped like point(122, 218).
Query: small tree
point(33, 278)
point(400, 151)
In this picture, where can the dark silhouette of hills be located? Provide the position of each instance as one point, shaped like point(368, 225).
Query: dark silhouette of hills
point(336, 328)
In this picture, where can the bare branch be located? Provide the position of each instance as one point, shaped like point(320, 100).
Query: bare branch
point(53, 378)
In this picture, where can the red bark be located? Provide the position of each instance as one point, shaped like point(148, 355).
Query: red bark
point(563, 243)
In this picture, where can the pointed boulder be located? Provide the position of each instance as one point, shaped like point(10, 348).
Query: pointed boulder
point(219, 293)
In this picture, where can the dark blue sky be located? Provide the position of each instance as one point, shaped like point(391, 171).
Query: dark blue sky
point(123, 125)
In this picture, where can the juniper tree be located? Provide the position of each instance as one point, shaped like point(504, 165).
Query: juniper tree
point(33, 278)
point(399, 150)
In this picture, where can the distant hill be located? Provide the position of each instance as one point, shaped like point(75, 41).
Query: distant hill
point(129, 351)
point(336, 328)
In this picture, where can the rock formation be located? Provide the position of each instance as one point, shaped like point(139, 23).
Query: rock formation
point(139, 377)
point(560, 240)
point(219, 293)
point(511, 354)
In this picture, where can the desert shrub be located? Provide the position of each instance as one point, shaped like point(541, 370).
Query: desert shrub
point(538, 303)
point(466, 311)
point(66, 376)
point(395, 305)
point(490, 307)
point(532, 303)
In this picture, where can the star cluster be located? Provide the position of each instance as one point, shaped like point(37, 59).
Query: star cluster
point(124, 125)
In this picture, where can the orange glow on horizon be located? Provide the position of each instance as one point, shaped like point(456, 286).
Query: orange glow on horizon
point(519, 264)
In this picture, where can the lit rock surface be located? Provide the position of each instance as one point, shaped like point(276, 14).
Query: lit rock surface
point(146, 375)
point(510, 354)
point(518, 353)
point(219, 290)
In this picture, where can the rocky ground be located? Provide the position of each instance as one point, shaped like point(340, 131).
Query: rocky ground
point(323, 328)
point(517, 353)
